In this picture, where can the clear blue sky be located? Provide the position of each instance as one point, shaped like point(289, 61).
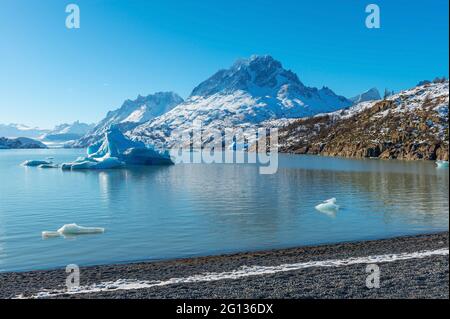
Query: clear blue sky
point(49, 74)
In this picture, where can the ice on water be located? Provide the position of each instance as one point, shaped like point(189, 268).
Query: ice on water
point(442, 164)
point(115, 151)
point(72, 230)
point(328, 205)
point(35, 163)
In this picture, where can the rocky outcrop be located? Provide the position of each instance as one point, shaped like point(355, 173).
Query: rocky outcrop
point(412, 125)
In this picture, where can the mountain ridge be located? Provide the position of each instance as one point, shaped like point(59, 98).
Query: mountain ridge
point(248, 93)
point(132, 113)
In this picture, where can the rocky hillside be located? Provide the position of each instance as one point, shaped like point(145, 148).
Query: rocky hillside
point(20, 142)
point(412, 124)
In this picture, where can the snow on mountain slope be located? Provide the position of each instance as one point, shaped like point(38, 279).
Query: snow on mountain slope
point(132, 113)
point(370, 95)
point(247, 94)
point(20, 130)
point(68, 132)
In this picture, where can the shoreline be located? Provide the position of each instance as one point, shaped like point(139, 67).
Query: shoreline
point(280, 152)
point(412, 277)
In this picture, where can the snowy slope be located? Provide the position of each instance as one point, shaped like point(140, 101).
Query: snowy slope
point(132, 113)
point(252, 91)
point(20, 130)
point(68, 132)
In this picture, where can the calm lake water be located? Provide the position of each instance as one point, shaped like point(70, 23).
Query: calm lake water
point(153, 213)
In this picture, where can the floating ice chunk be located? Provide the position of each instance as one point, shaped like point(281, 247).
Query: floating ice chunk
point(72, 230)
point(442, 164)
point(50, 234)
point(35, 163)
point(91, 163)
point(48, 166)
point(115, 151)
point(328, 205)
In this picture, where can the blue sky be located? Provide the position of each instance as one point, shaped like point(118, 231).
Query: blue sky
point(49, 74)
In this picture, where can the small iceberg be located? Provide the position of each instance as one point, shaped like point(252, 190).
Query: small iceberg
point(72, 230)
point(115, 151)
point(442, 164)
point(48, 166)
point(93, 163)
point(35, 163)
point(328, 206)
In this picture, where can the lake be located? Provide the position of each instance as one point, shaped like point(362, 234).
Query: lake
point(154, 213)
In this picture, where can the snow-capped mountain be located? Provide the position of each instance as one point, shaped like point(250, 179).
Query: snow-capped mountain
point(370, 95)
point(252, 91)
point(132, 113)
point(20, 130)
point(68, 132)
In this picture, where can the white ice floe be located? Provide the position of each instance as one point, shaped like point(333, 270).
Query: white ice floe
point(35, 163)
point(328, 205)
point(72, 230)
point(442, 164)
point(242, 272)
point(115, 151)
point(48, 166)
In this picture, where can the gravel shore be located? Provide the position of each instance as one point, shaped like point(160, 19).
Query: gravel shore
point(412, 278)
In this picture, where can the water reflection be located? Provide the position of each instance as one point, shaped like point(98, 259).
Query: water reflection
point(197, 209)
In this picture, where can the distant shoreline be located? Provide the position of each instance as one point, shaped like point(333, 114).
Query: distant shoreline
point(281, 152)
point(412, 277)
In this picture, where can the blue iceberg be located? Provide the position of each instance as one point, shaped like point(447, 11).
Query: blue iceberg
point(116, 151)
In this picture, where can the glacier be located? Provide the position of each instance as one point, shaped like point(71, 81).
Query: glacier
point(116, 151)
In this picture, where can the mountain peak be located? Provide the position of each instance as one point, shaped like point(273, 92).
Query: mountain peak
point(258, 60)
point(258, 74)
point(369, 95)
